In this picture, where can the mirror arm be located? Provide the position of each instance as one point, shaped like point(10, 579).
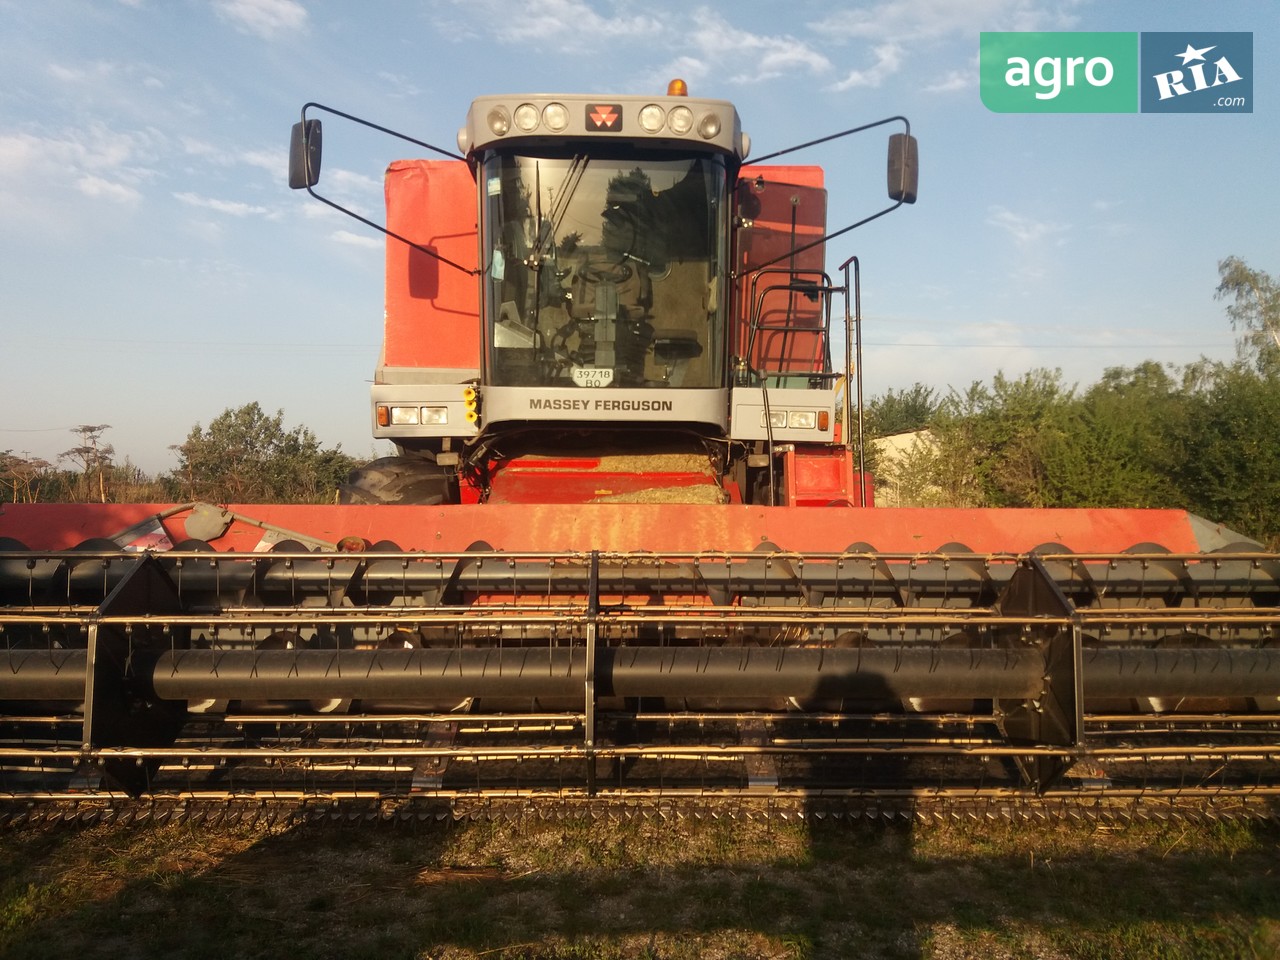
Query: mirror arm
point(906, 124)
point(365, 220)
point(387, 130)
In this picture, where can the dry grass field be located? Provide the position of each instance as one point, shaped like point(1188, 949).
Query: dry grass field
point(593, 890)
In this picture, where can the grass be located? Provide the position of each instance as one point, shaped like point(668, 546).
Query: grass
point(586, 890)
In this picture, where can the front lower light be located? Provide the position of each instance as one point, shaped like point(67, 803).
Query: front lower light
point(803, 419)
point(404, 416)
point(435, 415)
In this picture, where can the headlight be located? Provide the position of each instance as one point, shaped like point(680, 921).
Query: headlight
point(652, 117)
point(404, 416)
point(555, 116)
point(803, 419)
point(436, 415)
point(526, 117)
point(680, 119)
point(499, 121)
point(709, 127)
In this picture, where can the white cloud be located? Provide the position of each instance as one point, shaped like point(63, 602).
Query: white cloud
point(349, 182)
point(357, 192)
point(769, 56)
point(720, 49)
point(106, 81)
point(350, 239)
point(888, 60)
point(94, 72)
point(18, 153)
point(263, 18)
point(689, 69)
point(564, 25)
point(100, 189)
point(198, 148)
point(232, 208)
point(401, 87)
point(207, 231)
point(273, 162)
point(1025, 231)
point(952, 81)
point(901, 20)
point(703, 42)
point(95, 155)
point(893, 26)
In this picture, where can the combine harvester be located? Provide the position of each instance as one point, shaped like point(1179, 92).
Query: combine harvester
point(626, 557)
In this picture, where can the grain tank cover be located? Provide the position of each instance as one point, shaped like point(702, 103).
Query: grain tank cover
point(666, 121)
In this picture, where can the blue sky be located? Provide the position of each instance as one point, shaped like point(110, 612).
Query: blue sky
point(156, 270)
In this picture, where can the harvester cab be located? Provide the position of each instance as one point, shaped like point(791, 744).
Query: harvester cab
point(607, 281)
point(623, 554)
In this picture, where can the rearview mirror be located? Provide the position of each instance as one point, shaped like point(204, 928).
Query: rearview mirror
point(904, 168)
point(304, 154)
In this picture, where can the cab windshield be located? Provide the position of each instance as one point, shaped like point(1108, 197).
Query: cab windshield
point(602, 272)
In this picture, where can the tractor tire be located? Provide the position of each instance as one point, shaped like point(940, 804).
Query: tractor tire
point(409, 481)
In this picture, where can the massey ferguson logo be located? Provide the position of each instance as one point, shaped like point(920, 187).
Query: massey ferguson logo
point(604, 116)
point(1194, 74)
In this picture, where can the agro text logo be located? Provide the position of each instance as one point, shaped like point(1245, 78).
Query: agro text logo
point(1059, 72)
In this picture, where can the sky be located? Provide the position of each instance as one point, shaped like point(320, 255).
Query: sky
point(155, 269)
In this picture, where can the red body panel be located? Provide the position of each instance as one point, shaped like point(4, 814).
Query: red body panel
point(432, 309)
point(787, 208)
point(633, 527)
point(824, 476)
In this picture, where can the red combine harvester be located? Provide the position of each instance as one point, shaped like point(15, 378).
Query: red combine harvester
point(626, 552)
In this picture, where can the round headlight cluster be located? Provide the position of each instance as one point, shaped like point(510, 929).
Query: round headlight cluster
point(679, 120)
point(527, 118)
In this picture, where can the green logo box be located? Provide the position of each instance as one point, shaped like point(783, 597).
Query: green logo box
point(1059, 72)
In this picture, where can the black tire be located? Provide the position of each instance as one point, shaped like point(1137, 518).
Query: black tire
point(399, 480)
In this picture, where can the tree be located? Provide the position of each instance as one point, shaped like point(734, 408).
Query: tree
point(991, 440)
point(94, 458)
point(1254, 312)
point(1115, 446)
point(1229, 470)
point(21, 477)
point(902, 411)
point(246, 456)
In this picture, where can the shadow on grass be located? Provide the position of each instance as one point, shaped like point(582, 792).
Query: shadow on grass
point(644, 889)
